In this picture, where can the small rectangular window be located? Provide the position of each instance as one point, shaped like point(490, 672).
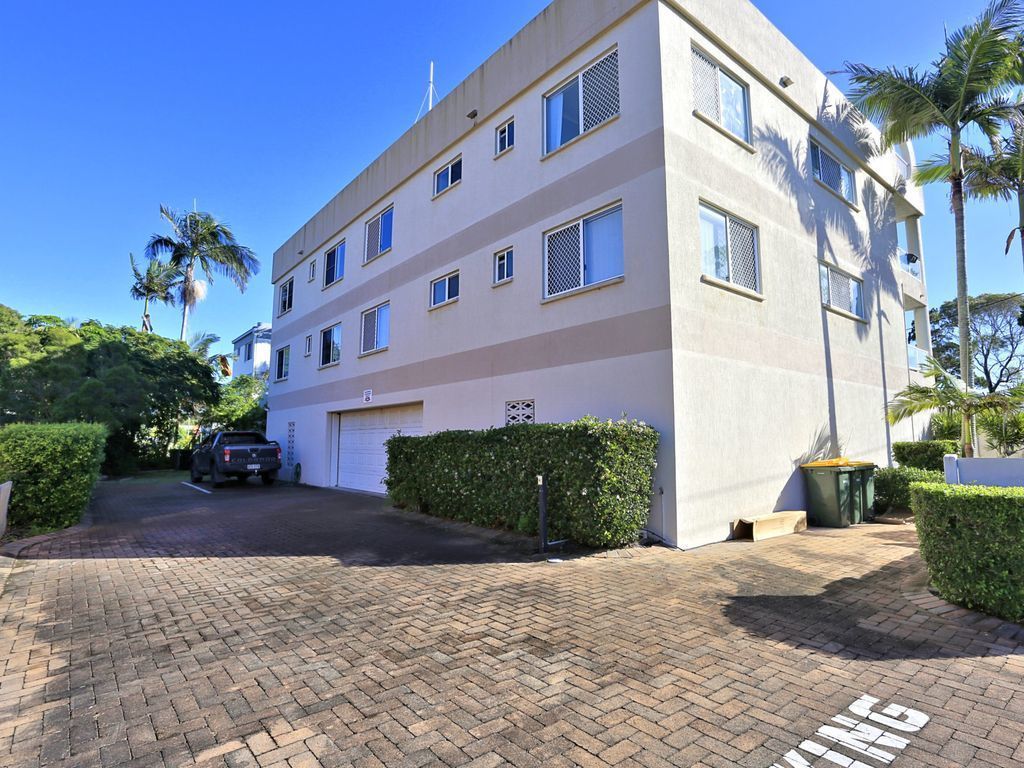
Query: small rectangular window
point(376, 328)
point(309, 345)
point(248, 350)
point(841, 291)
point(504, 266)
point(281, 371)
point(334, 264)
point(833, 174)
point(505, 137)
point(585, 252)
point(448, 176)
point(312, 271)
point(728, 249)
point(719, 96)
point(378, 234)
point(589, 99)
point(330, 345)
point(287, 289)
point(444, 289)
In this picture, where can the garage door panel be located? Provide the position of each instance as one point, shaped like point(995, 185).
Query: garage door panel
point(362, 458)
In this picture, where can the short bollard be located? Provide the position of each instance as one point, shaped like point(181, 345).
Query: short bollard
point(542, 508)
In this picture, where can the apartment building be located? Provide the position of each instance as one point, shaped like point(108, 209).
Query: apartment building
point(252, 351)
point(656, 208)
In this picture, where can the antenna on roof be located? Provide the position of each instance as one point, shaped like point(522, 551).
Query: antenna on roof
point(429, 96)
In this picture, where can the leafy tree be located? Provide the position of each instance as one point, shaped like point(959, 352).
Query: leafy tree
point(997, 339)
point(201, 342)
point(200, 243)
point(157, 283)
point(965, 88)
point(242, 405)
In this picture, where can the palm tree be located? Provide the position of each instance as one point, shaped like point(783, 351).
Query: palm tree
point(201, 243)
point(157, 283)
point(201, 342)
point(965, 88)
point(948, 394)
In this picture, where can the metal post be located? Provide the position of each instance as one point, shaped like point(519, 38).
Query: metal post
point(542, 508)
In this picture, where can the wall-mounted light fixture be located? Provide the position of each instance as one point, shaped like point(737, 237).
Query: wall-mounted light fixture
point(785, 81)
point(301, 253)
point(913, 258)
point(472, 114)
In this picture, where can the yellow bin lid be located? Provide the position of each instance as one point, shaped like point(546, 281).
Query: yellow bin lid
point(839, 462)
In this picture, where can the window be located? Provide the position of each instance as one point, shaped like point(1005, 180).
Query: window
point(334, 264)
point(720, 97)
point(281, 371)
point(505, 137)
point(586, 101)
point(444, 289)
point(841, 291)
point(448, 176)
point(376, 329)
point(728, 249)
point(519, 412)
point(503, 266)
point(286, 301)
point(330, 345)
point(309, 345)
point(248, 350)
point(312, 271)
point(378, 234)
point(585, 252)
point(833, 174)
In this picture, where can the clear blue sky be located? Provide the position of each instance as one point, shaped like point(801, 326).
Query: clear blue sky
point(263, 111)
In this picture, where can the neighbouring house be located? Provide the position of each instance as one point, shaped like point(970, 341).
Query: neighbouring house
point(645, 207)
point(252, 352)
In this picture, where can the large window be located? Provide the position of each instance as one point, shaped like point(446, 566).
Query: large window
point(585, 252)
point(334, 264)
point(448, 176)
point(378, 234)
point(281, 369)
point(444, 289)
point(330, 345)
point(719, 96)
point(376, 329)
point(504, 266)
point(841, 291)
point(833, 174)
point(586, 101)
point(728, 249)
point(285, 302)
point(505, 137)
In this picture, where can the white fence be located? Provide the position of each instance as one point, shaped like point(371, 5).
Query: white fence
point(1000, 472)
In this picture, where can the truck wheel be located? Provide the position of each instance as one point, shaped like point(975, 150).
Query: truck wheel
point(216, 478)
point(197, 476)
point(268, 478)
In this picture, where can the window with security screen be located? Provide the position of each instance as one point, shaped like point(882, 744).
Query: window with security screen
point(519, 412)
point(584, 252)
point(589, 99)
point(378, 234)
point(833, 174)
point(729, 249)
point(841, 291)
point(719, 96)
point(376, 329)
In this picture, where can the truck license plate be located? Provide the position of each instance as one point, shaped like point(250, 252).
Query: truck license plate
point(252, 466)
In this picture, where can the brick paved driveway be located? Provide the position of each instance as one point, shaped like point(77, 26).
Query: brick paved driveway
point(297, 627)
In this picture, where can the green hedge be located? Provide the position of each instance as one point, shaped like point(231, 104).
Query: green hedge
point(892, 485)
point(972, 539)
point(924, 454)
point(54, 467)
point(599, 476)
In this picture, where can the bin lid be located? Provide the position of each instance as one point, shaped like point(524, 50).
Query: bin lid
point(839, 463)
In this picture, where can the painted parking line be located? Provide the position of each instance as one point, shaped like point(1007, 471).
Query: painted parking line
point(195, 487)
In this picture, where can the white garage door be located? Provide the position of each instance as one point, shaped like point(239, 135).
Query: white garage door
point(362, 460)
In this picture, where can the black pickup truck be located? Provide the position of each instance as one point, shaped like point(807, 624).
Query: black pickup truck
point(236, 454)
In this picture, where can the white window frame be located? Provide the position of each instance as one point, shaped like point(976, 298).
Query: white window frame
point(367, 258)
point(287, 289)
point(448, 299)
point(320, 352)
point(334, 249)
point(312, 271)
point(728, 246)
point(448, 167)
point(309, 345)
point(824, 265)
point(362, 325)
point(578, 77)
point(584, 286)
point(814, 144)
point(716, 120)
point(284, 353)
point(498, 150)
point(510, 258)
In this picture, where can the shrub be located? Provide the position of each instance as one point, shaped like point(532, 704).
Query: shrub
point(972, 539)
point(924, 454)
point(54, 467)
point(892, 485)
point(945, 425)
point(599, 476)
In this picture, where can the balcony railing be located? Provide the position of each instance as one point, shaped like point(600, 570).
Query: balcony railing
point(916, 357)
point(910, 267)
point(902, 167)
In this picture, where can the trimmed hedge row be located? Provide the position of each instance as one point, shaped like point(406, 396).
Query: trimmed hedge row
point(892, 485)
point(54, 467)
point(924, 454)
point(972, 539)
point(599, 476)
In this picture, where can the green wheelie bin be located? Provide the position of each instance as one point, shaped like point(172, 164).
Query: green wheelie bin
point(840, 492)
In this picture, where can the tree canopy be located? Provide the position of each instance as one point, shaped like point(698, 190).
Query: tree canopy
point(997, 339)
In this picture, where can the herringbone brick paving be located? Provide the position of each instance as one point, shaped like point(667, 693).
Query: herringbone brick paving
point(296, 627)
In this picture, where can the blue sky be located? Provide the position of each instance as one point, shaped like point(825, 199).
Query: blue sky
point(263, 111)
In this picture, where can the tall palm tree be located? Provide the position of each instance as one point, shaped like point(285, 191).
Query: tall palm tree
point(965, 88)
point(201, 243)
point(157, 283)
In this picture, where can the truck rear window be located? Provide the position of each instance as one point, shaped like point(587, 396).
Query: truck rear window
point(242, 438)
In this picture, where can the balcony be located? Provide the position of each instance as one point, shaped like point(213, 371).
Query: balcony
point(912, 268)
point(903, 168)
point(916, 357)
